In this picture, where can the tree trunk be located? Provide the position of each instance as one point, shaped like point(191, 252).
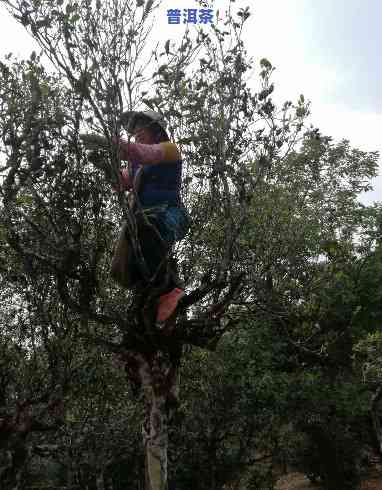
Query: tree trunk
point(155, 440)
point(158, 377)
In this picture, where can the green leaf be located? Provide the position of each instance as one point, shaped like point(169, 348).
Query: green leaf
point(43, 23)
point(24, 200)
point(188, 141)
point(264, 63)
point(44, 87)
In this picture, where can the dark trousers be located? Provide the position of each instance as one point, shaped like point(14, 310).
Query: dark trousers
point(158, 228)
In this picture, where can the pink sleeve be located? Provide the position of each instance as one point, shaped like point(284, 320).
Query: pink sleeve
point(141, 153)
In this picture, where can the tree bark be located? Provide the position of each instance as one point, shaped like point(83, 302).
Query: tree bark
point(158, 377)
point(155, 440)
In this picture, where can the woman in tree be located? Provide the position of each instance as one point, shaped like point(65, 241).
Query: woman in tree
point(154, 173)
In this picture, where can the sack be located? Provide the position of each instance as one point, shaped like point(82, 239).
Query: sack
point(122, 264)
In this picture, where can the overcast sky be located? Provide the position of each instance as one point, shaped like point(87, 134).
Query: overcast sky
point(327, 50)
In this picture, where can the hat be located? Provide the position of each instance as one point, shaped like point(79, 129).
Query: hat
point(129, 118)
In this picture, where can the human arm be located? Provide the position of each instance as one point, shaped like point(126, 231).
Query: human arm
point(139, 153)
point(143, 154)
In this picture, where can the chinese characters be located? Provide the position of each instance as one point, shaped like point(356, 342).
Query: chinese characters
point(190, 16)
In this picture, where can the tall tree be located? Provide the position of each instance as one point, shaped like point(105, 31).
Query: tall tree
point(58, 215)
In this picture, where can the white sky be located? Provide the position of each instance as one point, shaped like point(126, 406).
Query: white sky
point(327, 50)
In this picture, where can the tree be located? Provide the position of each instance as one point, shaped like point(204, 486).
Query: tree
point(35, 368)
point(58, 215)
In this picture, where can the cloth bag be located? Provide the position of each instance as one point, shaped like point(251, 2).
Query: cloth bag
point(121, 264)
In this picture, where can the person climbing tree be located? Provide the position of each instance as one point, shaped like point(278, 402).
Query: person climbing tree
point(154, 177)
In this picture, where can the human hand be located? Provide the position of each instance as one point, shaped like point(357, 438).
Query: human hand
point(93, 141)
point(124, 183)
